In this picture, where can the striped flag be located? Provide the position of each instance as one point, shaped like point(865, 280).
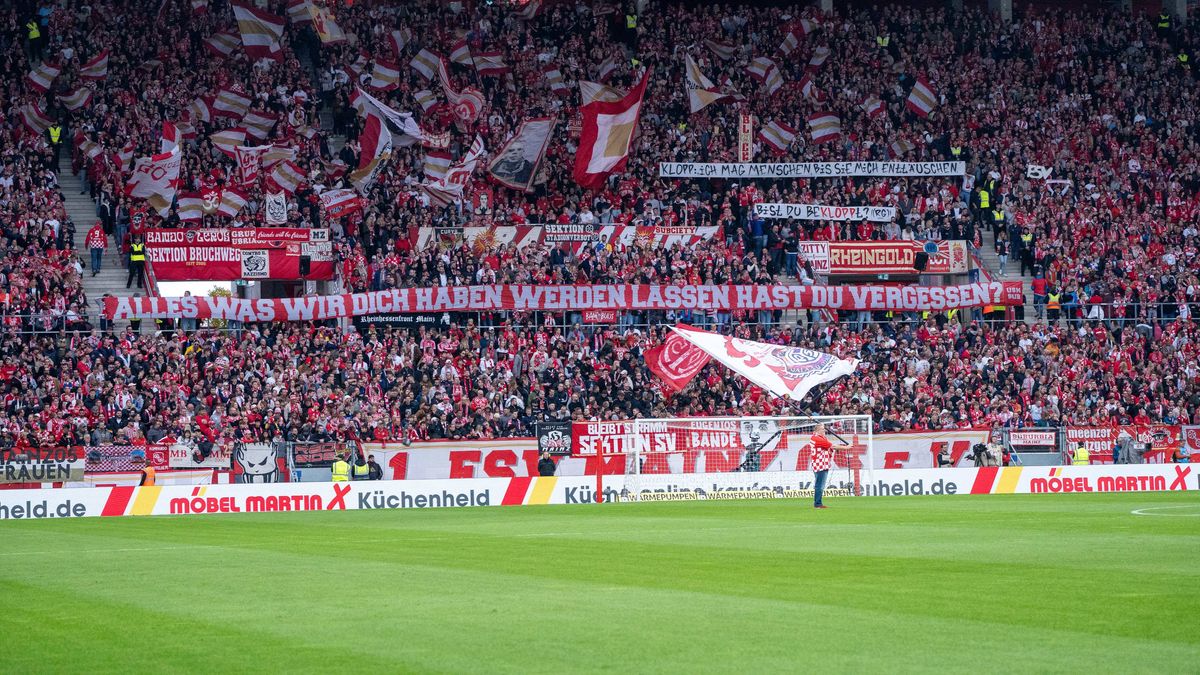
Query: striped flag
point(606, 69)
point(340, 202)
point(809, 89)
point(900, 147)
point(606, 137)
point(190, 207)
point(376, 142)
point(922, 99)
point(820, 55)
point(594, 91)
point(760, 67)
point(199, 7)
point(773, 82)
point(96, 68)
point(777, 135)
point(76, 99)
point(276, 153)
point(88, 148)
point(700, 89)
point(261, 31)
point(226, 140)
point(530, 9)
point(232, 201)
point(460, 53)
point(871, 105)
point(385, 75)
point(824, 127)
point(125, 157)
point(42, 76)
point(554, 79)
point(425, 98)
point(186, 130)
point(286, 176)
point(398, 39)
point(790, 42)
point(437, 163)
point(299, 11)
point(201, 109)
point(259, 124)
point(426, 63)
point(230, 103)
point(222, 44)
point(491, 64)
point(723, 50)
point(34, 118)
point(171, 137)
point(327, 27)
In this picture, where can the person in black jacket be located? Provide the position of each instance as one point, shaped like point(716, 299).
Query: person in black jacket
point(546, 465)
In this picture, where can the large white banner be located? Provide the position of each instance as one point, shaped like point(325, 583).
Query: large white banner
point(810, 169)
point(877, 214)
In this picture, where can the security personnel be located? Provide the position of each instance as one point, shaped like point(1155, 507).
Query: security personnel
point(147, 476)
point(54, 134)
point(1080, 458)
point(1184, 60)
point(956, 152)
point(137, 261)
point(361, 470)
point(1026, 252)
point(882, 41)
point(341, 470)
point(631, 24)
point(1053, 306)
point(1164, 22)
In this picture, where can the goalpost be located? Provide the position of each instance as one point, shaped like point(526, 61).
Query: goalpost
point(733, 458)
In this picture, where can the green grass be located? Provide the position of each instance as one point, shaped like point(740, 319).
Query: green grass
point(990, 583)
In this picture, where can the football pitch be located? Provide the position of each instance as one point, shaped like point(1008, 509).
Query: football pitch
point(987, 583)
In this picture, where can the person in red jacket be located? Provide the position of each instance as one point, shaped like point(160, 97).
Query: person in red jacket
point(97, 241)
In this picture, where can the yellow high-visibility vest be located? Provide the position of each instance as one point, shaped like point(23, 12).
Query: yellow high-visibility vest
point(55, 134)
point(34, 31)
point(1081, 456)
point(631, 21)
point(998, 215)
point(985, 200)
point(1164, 21)
point(952, 313)
point(361, 472)
point(1027, 239)
point(956, 150)
point(1053, 301)
point(883, 40)
point(341, 471)
point(1183, 58)
point(137, 252)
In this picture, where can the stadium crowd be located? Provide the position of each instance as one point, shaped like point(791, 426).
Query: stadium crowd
point(1078, 127)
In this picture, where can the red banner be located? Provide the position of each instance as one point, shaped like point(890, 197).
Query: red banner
point(502, 297)
point(577, 237)
point(1162, 440)
point(884, 257)
point(226, 254)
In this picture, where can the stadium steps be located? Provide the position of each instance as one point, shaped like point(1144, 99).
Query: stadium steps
point(991, 265)
point(82, 211)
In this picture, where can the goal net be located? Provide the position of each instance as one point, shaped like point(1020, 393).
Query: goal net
point(734, 458)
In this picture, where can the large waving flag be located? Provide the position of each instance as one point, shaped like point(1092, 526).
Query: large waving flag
point(516, 163)
point(922, 99)
point(676, 361)
point(376, 143)
point(607, 135)
point(261, 31)
point(156, 180)
point(789, 372)
point(701, 91)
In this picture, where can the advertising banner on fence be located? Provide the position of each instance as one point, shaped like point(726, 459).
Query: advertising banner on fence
point(810, 169)
point(181, 456)
point(578, 237)
point(523, 490)
point(554, 437)
point(310, 455)
point(503, 297)
point(42, 465)
point(106, 458)
point(1159, 439)
point(226, 254)
point(879, 214)
point(1033, 438)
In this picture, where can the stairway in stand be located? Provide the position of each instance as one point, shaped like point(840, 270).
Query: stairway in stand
point(991, 263)
point(113, 275)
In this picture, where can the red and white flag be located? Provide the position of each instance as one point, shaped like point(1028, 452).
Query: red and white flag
point(590, 92)
point(809, 89)
point(87, 147)
point(701, 91)
point(261, 31)
point(232, 201)
point(900, 147)
point(676, 361)
point(249, 161)
point(96, 68)
point(190, 207)
point(789, 372)
point(825, 127)
point(554, 79)
point(777, 135)
point(460, 53)
point(340, 202)
point(530, 9)
point(398, 39)
point(276, 153)
point(34, 118)
point(425, 98)
point(760, 67)
point(871, 105)
point(606, 137)
point(459, 175)
point(922, 99)
point(809, 26)
point(286, 176)
point(723, 50)
point(227, 140)
point(819, 56)
point(230, 103)
point(606, 69)
point(426, 63)
point(222, 44)
point(790, 42)
point(171, 137)
point(299, 11)
point(376, 142)
point(326, 27)
point(76, 99)
point(367, 104)
point(201, 109)
point(385, 75)
point(437, 163)
point(124, 157)
point(491, 64)
point(199, 7)
point(466, 104)
point(156, 179)
point(774, 81)
point(42, 76)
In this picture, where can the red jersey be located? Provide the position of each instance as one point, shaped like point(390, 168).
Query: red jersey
point(822, 453)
